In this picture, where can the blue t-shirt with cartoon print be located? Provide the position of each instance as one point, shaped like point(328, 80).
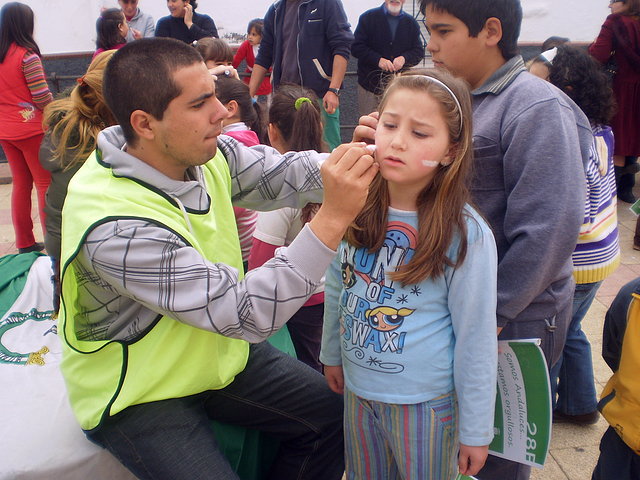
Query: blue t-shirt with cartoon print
point(405, 344)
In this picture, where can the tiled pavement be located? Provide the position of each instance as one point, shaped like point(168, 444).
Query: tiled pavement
point(574, 449)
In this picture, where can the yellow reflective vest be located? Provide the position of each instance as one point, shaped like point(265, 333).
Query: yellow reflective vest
point(171, 359)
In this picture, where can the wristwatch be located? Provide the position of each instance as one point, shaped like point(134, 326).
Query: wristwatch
point(334, 90)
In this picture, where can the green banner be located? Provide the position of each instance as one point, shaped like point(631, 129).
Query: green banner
point(522, 426)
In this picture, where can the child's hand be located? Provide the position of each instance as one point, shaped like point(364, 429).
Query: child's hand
point(366, 129)
point(335, 378)
point(137, 34)
point(471, 459)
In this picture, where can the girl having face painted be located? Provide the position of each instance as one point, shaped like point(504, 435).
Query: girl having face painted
point(411, 338)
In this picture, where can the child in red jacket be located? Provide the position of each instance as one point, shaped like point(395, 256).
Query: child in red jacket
point(248, 52)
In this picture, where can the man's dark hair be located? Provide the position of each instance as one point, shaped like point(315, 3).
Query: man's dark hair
point(140, 77)
point(474, 14)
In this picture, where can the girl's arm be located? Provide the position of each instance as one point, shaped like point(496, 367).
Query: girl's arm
point(241, 54)
point(472, 303)
point(36, 81)
point(330, 354)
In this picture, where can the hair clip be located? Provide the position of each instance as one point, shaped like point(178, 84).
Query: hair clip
point(300, 101)
point(80, 80)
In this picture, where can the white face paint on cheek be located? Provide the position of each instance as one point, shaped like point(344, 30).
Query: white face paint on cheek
point(430, 163)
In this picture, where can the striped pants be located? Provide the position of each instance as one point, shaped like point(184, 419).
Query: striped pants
point(392, 441)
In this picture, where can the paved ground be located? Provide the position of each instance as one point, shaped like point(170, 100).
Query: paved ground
point(574, 449)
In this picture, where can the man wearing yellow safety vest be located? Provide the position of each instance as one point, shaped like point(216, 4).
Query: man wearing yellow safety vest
point(160, 331)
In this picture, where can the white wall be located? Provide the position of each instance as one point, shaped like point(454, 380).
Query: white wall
point(65, 26)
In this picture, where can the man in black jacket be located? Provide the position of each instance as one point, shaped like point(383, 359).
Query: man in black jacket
point(387, 40)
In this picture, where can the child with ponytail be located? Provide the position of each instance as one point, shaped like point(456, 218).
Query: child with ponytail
point(295, 124)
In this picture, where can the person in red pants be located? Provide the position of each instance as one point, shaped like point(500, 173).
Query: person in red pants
point(23, 95)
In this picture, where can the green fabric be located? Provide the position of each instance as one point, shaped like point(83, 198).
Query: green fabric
point(103, 377)
point(331, 123)
point(14, 270)
point(250, 452)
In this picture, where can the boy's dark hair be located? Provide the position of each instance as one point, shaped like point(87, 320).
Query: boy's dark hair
point(474, 14)
point(228, 89)
point(194, 4)
point(215, 49)
point(258, 24)
point(581, 77)
point(16, 26)
point(140, 77)
point(108, 33)
point(301, 127)
point(553, 41)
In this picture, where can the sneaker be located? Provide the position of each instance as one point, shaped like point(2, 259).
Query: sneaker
point(36, 247)
point(583, 419)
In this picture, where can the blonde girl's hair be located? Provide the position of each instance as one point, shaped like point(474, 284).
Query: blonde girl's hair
point(75, 121)
point(441, 204)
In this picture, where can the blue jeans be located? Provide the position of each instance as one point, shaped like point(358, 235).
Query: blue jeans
point(172, 439)
point(572, 376)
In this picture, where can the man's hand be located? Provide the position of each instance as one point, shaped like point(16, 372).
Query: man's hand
point(366, 129)
point(224, 71)
point(398, 63)
point(330, 102)
point(188, 15)
point(386, 65)
point(346, 175)
point(471, 459)
point(257, 75)
point(335, 378)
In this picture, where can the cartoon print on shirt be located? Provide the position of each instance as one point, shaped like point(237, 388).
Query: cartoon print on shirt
point(370, 327)
point(386, 319)
point(29, 112)
point(348, 275)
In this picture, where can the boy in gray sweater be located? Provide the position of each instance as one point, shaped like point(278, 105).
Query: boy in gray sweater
point(531, 143)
